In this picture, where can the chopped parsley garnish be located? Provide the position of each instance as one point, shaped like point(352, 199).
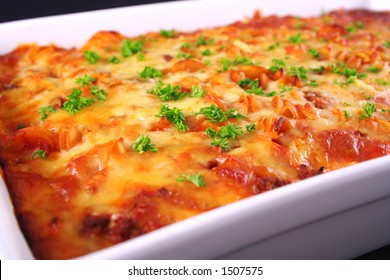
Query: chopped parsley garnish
point(382, 82)
point(350, 73)
point(168, 33)
point(211, 132)
point(144, 144)
point(368, 111)
point(272, 93)
point(226, 132)
point(184, 55)
point(314, 53)
point(221, 142)
point(85, 80)
point(277, 64)
point(201, 41)
point(197, 91)
point(166, 92)
point(387, 44)
point(175, 116)
point(239, 60)
point(150, 72)
point(319, 70)
point(251, 86)
point(250, 127)
point(196, 179)
point(296, 39)
point(286, 88)
point(273, 46)
point(131, 47)
point(39, 153)
point(230, 131)
point(374, 69)
point(206, 52)
point(99, 93)
point(312, 83)
point(91, 56)
point(213, 113)
point(113, 59)
point(75, 102)
point(347, 114)
point(186, 45)
point(140, 57)
point(43, 111)
point(300, 72)
point(353, 28)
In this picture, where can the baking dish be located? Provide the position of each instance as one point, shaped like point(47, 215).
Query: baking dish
point(250, 228)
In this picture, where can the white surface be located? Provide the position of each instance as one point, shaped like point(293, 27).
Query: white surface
point(240, 224)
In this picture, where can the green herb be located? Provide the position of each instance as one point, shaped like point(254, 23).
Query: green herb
point(85, 80)
point(374, 69)
point(197, 91)
point(387, 44)
point(143, 144)
point(207, 61)
point(296, 39)
point(131, 47)
point(201, 41)
point(233, 114)
point(230, 131)
point(347, 114)
point(99, 93)
point(252, 86)
point(353, 28)
point(91, 56)
point(273, 46)
point(300, 72)
point(385, 110)
point(272, 93)
point(318, 70)
point(168, 33)
point(43, 111)
point(184, 55)
point(20, 126)
point(250, 127)
point(368, 111)
point(359, 25)
point(206, 52)
point(39, 153)
point(284, 88)
point(75, 102)
point(221, 142)
point(314, 52)
point(150, 72)
point(186, 45)
point(350, 73)
point(166, 92)
point(277, 64)
point(196, 179)
point(211, 132)
point(175, 116)
point(113, 59)
point(213, 113)
point(239, 60)
point(382, 82)
point(312, 83)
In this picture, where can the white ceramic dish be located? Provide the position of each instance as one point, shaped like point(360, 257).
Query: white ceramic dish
point(337, 215)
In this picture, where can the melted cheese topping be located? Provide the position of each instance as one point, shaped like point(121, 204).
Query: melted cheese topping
point(316, 90)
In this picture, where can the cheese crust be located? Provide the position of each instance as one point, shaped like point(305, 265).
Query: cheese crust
point(249, 107)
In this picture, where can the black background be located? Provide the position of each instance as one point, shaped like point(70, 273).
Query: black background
point(16, 9)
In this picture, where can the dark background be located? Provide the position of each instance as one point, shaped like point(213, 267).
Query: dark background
point(18, 9)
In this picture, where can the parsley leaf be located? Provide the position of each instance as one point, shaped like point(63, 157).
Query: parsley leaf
point(250, 127)
point(168, 33)
point(131, 47)
point(387, 44)
point(39, 153)
point(382, 82)
point(99, 93)
point(368, 111)
point(252, 86)
point(197, 91)
point(75, 102)
point(347, 114)
point(221, 142)
point(230, 114)
point(43, 111)
point(150, 72)
point(201, 41)
point(113, 59)
point(273, 46)
point(374, 69)
point(197, 179)
point(184, 55)
point(312, 83)
point(277, 64)
point(230, 131)
point(91, 56)
point(175, 116)
point(143, 144)
point(206, 52)
point(166, 92)
point(296, 39)
point(314, 52)
point(239, 60)
point(300, 72)
point(85, 80)
point(213, 113)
